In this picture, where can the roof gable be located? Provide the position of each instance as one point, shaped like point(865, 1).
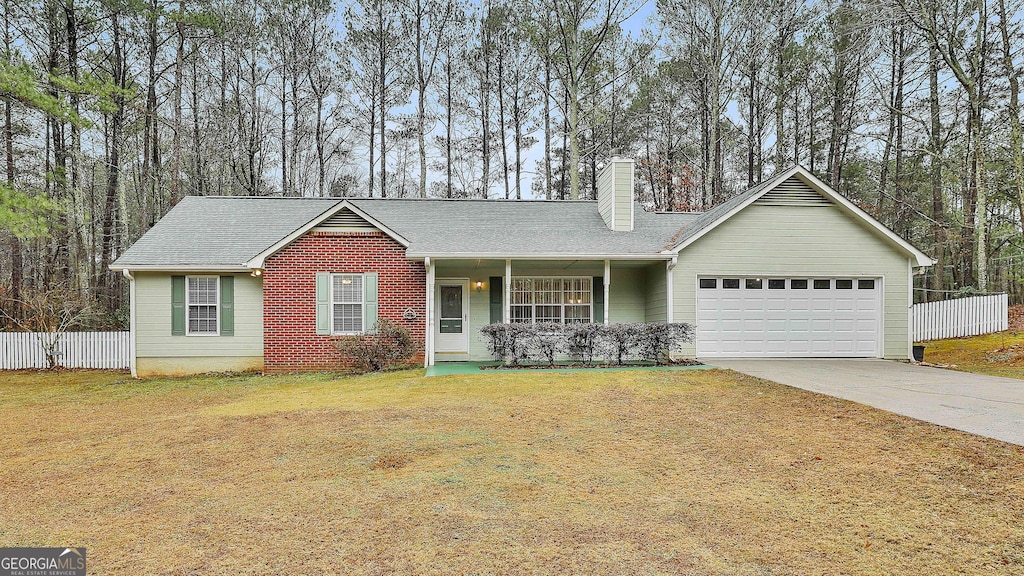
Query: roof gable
point(344, 215)
point(793, 187)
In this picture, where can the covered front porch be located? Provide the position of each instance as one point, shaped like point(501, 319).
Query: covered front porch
point(464, 295)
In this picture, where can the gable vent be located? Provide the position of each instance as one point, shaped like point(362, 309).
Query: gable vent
point(793, 192)
point(346, 219)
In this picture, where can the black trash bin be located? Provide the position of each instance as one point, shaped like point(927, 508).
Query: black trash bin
point(918, 353)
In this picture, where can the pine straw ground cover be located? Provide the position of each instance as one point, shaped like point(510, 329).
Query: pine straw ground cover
point(686, 472)
point(999, 354)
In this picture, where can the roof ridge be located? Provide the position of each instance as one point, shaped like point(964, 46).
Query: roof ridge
point(229, 197)
point(501, 200)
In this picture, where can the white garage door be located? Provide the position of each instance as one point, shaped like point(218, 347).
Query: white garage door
point(798, 317)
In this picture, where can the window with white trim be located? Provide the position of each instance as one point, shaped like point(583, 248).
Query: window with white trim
point(562, 300)
point(202, 298)
point(346, 303)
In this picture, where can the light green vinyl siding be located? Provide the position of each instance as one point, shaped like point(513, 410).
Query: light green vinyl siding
point(656, 302)
point(626, 293)
point(623, 196)
point(153, 322)
point(615, 195)
point(605, 195)
point(788, 241)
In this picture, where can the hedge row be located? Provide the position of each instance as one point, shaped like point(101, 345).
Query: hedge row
point(584, 343)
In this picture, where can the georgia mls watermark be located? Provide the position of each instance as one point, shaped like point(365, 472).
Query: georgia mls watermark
point(42, 561)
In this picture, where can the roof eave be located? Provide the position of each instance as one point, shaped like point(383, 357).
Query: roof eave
point(179, 267)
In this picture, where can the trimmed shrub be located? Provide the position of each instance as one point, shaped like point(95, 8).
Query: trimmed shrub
point(620, 341)
point(388, 344)
point(652, 341)
point(657, 340)
point(547, 340)
point(508, 343)
point(581, 341)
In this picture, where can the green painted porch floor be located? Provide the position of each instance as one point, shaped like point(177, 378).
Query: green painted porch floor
point(453, 368)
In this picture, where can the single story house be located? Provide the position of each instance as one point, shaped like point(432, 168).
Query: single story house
point(790, 268)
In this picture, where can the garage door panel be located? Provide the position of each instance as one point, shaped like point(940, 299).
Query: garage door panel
point(842, 317)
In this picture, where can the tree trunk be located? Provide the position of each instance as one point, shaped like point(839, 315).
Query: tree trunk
point(179, 65)
point(113, 170)
point(449, 176)
point(1013, 110)
point(15, 243)
point(574, 144)
point(902, 221)
point(750, 126)
point(421, 104)
point(935, 166)
point(501, 121)
point(382, 52)
point(149, 144)
point(547, 124)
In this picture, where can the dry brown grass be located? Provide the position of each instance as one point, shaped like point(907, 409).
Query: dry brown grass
point(695, 472)
point(999, 354)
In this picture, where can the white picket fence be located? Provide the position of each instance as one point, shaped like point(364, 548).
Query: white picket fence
point(21, 350)
point(960, 317)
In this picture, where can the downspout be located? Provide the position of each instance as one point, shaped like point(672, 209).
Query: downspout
point(131, 321)
point(670, 265)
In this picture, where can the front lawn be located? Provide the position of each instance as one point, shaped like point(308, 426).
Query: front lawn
point(999, 354)
point(631, 472)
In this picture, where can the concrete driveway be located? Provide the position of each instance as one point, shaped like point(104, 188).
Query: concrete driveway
point(984, 405)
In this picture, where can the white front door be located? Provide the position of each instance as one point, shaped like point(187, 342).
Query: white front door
point(451, 329)
point(795, 317)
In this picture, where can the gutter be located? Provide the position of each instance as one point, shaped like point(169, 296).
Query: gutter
point(180, 268)
point(580, 257)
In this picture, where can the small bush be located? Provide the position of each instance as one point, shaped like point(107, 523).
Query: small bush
point(547, 341)
point(657, 340)
point(496, 338)
point(620, 341)
point(508, 343)
point(581, 341)
point(389, 344)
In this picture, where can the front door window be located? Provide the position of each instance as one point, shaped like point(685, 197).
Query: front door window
point(451, 309)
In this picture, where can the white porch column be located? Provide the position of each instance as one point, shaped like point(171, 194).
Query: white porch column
point(428, 356)
point(607, 285)
point(669, 267)
point(506, 306)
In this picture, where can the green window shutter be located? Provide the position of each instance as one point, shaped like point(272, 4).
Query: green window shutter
point(497, 292)
point(323, 303)
point(370, 302)
point(227, 305)
point(177, 305)
point(597, 289)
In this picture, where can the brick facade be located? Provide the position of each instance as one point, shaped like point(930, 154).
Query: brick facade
point(290, 342)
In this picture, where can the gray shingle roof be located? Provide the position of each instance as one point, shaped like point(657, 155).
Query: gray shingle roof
point(228, 231)
point(220, 231)
point(522, 228)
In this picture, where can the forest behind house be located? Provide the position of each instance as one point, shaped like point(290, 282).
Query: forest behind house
point(113, 110)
